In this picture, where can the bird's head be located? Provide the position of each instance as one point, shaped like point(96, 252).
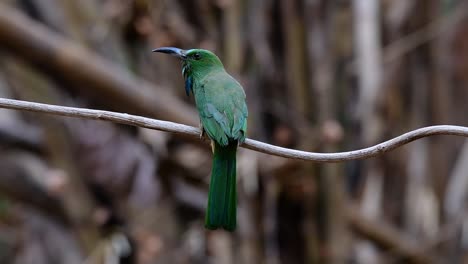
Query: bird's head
point(195, 63)
point(193, 59)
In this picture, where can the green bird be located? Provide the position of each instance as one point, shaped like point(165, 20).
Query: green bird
point(220, 102)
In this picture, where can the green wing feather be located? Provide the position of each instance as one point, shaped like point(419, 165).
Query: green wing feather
point(220, 101)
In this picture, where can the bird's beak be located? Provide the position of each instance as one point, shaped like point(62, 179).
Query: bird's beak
point(180, 53)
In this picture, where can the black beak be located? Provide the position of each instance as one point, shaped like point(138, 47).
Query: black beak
point(180, 53)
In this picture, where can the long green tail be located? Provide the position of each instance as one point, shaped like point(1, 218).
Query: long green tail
point(222, 197)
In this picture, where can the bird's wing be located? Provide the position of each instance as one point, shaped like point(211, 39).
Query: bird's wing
point(223, 113)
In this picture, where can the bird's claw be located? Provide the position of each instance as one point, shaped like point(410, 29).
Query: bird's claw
point(202, 134)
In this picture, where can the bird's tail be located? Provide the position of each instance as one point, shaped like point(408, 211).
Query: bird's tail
point(222, 196)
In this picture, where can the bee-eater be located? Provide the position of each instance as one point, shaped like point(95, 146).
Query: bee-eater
point(220, 101)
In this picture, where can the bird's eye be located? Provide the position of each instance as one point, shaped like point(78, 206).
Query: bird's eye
point(197, 56)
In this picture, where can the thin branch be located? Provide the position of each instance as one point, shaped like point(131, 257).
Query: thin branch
point(172, 127)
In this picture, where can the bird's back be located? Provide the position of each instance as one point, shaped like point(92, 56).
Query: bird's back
point(220, 100)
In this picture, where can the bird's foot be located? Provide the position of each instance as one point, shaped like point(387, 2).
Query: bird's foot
point(202, 132)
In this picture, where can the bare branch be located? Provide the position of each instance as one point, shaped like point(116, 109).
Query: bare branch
point(172, 127)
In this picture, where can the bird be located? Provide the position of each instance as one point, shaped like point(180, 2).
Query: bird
point(221, 104)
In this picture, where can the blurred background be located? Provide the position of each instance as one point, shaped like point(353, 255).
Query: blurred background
point(319, 75)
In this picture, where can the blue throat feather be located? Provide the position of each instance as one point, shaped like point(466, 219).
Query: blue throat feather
point(188, 85)
point(188, 79)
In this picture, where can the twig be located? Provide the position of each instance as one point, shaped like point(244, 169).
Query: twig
point(172, 127)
